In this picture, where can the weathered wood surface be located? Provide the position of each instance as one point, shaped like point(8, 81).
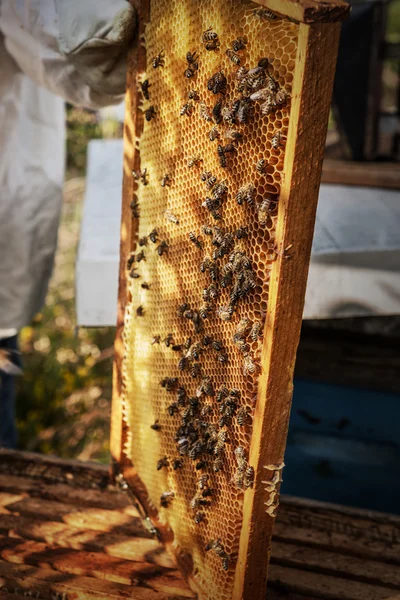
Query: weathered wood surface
point(309, 11)
point(370, 174)
point(343, 352)
point(87, 544)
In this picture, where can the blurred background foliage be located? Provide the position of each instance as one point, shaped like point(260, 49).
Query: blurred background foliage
point(64, 398)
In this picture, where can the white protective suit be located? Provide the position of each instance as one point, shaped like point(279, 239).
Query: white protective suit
point(50, 51)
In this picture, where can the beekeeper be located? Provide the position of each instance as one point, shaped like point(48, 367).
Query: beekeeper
point(50, 51)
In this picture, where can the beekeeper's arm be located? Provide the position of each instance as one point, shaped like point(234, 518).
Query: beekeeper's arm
point(75, 48)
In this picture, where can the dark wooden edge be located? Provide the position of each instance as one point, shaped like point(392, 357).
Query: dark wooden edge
point(370, 174)
point(309, 11)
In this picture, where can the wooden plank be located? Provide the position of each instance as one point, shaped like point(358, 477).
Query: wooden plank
point(52, 469)
point(370, 174)
point(311, 93)
point(59, 492)
point(93, 564)
point(316, 585)
point(47, 582)
point(92, 519)
point(348, 358)
point(309, 11)
point(335, 564)
point(65, 536)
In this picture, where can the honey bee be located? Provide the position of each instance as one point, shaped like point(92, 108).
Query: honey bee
point(189, 72)
point(156, 426)
point(162, 463)
point(205, 310)
point(130, 261)
point(222, 393)
point(171, 217)
point(244, 111)
point(182, 308)
point(229, 115)
point(195, 370)
point(263, 210)
point(261, 165)
point(142, 175)
point(241, 233)
point(264, 14)
point(145, 286)
point(243, 418)
point(222, 358)
point(181, 396)
point(162, 248)
point(218, 464)
point(235, 58)
point(248, 479)
point(172, 409)
point(205, 112)
point(220, 189)
point(150, 113)
point(210, 39)
point(192, 59)
point(225, 562)
point(143, 241)
point(134, 206)
point(194, 161)
point(153, 236)
point(166, 180)
point(133, 274)
point(166, 498)
point(264, 63)
point(256, 331)
point(249, 366)
point(225, 312)
point(145, 88)
point(227, 275)
point(202, 482)
point(246, 194)
point(195, 240)
point(244, 327)
point(199, 517)
point(168, 340)
point(267, 107)
point(158, 60)
point(169, 383)
point(205, 175)
point(156, 340)
point(217, 83)
point(140, 256)
point(233, 134)
point(277, 141)
point(140, 311)
point(186, 109)
point(222, 156)
point(193, 95)
point(176, 347)
point(238, 44)
point(216, 112)
point(177, 464)
point(213, 133)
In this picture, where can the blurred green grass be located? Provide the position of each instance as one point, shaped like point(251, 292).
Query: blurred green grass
point(64, 397)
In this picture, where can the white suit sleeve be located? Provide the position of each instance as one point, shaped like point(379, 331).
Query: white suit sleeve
point(75, 48)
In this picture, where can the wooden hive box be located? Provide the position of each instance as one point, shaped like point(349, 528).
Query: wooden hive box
point(227, 111)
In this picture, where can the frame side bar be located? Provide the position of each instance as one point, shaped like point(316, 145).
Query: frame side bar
point(311, 94)
point(309, 11)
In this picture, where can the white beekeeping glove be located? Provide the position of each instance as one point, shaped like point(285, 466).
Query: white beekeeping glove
point(75, 48)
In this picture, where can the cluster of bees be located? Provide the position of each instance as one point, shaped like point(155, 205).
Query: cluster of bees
point(206, 415)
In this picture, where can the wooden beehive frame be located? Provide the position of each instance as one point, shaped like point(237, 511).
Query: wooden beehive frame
point(311, 92)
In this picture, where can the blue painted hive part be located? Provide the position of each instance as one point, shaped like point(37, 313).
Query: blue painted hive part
point(344, 446)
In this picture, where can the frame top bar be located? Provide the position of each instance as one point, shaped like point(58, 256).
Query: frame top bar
point(309, 11)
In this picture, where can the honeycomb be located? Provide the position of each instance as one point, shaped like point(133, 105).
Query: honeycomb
point(162, 283)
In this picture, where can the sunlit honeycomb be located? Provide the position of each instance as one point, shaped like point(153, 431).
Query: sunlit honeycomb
point(167, 143)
